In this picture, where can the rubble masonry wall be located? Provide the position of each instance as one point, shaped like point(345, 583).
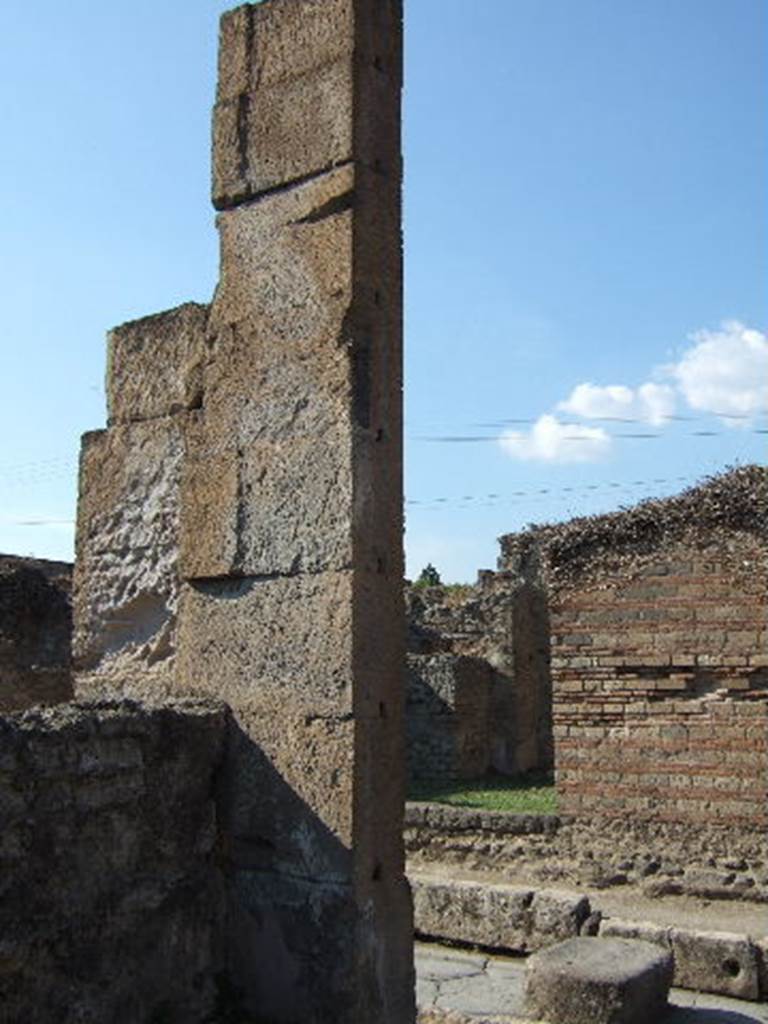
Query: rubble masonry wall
point(109, 862)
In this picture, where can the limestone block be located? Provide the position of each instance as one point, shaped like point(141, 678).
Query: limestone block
point(557, 915)
point(281, 639)
point(598, 981)
point(495, 916)
point(499, 916)
point(155, 365)
point(284, 102)
point(287, 800)
point(648, 931)
point(302, 936)
point(273, 507)
point(286, 267)
point(716, 962)
point(125, 587)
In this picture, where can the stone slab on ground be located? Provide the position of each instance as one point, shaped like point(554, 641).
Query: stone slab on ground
point(721, 962)
point(599, 981)
point(718, 948)
point(496, 916)
point(455, 1003)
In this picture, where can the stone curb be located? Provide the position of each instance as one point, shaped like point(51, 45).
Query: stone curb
point(518, 919)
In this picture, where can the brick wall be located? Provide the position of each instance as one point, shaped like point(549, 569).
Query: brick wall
point(659, 655)
point(660, 687)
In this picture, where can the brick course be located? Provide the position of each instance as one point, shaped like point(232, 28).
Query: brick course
point(659, 626)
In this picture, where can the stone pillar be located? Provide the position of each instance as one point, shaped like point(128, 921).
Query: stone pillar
point(275, 515)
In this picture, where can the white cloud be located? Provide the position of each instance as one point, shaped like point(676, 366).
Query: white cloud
point(725, 371)
point(651, 403)
point(549, 440)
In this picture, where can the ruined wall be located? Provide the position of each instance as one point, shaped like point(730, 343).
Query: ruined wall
point(637, 857)
point(240, 521)
point(660, 673)
point(126, 581)
point(503, 618)
point(448, 716)
point(111, 899)
point(35, 628)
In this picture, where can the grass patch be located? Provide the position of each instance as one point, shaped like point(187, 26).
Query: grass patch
point(525, 794)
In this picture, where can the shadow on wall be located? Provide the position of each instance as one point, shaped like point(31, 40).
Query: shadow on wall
point(448, 710)
point(288, 883)
point(532, 682)
point(35, 633)
point(162, 839)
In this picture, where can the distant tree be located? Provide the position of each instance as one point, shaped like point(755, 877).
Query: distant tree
point(429, 577)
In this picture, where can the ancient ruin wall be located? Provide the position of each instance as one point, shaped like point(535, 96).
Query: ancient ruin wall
point(659, 664)
point(108, 857)
point(35, 629)
point(448, 705)
point(503, 619)
point(240, 521)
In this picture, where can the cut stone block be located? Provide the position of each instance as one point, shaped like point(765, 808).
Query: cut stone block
point(598, 981)
point(716, 962)
point(243, 513)
point(256, 637)
point(155, 365)
point(283, 108)
point(492, 916)
point(648, 931)
point(286, 265)
point(496, 916)
point(125, 584)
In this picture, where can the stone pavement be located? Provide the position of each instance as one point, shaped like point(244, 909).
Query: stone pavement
point(460, 986)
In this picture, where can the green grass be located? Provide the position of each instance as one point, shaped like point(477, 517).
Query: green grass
point(527, 794)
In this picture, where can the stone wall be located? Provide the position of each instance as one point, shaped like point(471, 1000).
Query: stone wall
point(649, 858)
point(659, 621)
point(111, 899)
point(503, 619)
point(35, 629)
point(448, 716)
point(240, 520)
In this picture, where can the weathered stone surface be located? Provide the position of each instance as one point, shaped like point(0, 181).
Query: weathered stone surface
point(270, 507)
point(716, 962)
point(557, 915)
point(126, 582)
point(448, 701)
point(111, 900)
point(252, 636)
point(284, 108)
point(599, 981)
point(496, 916)
point(155, 364)
point(502, 618)
point(243, 514)
point(278, 392)
point(648, 931)
point(35, 630)
point(581, 853)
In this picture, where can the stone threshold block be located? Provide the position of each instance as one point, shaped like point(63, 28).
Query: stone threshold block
point(599, 981)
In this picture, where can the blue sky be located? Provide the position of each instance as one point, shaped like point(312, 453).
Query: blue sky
point(585, 221)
